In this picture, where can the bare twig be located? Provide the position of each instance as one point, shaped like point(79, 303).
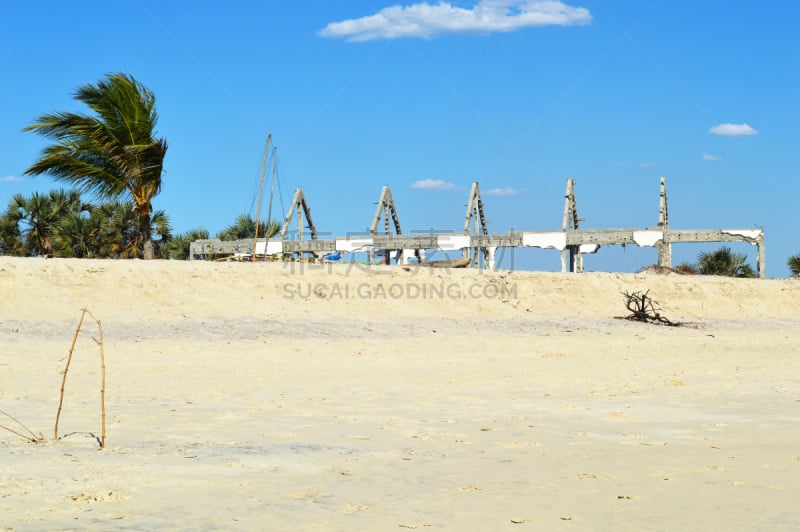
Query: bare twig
point(30, 436)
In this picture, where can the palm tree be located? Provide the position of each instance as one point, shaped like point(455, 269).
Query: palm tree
point(724, 262)
point(121, 233)
point(794, 264)
point(11, 242)
point(29, 223)
point(70, 215)
point(178, 247)
point(244, 227)
point(13, 234)
point(112, 154)
point(120, 229)
point(163, 230)
point(76, 235)
point(36, 217)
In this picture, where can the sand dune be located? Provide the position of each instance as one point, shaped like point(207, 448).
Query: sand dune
point(340, 397)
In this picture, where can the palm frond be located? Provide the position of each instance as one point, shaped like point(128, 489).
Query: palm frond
point(794, 264)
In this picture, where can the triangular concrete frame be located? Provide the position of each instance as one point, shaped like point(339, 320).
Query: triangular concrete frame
point(300, 206)
point(387, 211)
point(475, 220)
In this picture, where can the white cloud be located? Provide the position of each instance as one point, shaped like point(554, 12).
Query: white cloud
point(505, 191)
point(647, 165)
point(709, 157)
point(732, 130)
point(427, 20)
point(433, 184)
point(10, 179)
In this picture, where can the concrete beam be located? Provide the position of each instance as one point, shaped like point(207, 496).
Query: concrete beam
point(542, 239)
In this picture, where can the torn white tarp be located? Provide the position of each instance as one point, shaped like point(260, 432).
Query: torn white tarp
point(589, 248)
point(545, 239)
point(647, 238)
point(747, 233)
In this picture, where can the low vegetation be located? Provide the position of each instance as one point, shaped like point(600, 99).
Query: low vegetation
point(794, 264)
point(62, 224)
point(243, 228)
point(686, 268)
point(722, 262)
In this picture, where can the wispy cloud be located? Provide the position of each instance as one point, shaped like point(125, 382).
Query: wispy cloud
point(505, 191)
point(647, 165)
point(426, 20)
point(10, 179)
point(710, 157)
point(433, 184)
point(732, 130)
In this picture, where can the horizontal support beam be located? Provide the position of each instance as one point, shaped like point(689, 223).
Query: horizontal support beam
point(392, 242)
point(752, 236)
point(311, 246)
point(451, 241)
point(601, 236)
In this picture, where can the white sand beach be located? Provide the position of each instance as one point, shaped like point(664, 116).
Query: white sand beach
point(262, 396)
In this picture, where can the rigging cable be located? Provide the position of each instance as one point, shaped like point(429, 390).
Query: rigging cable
point(280, 188)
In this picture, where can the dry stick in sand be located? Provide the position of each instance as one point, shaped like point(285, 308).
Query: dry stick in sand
point(66, 369)
point(102, 382)
point(32, 438)
point(102, 378)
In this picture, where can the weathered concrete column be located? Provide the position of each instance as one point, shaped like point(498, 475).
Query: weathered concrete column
point(491, 264)
point(664, 247)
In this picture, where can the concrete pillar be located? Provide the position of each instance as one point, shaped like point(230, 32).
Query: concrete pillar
point(491, 251)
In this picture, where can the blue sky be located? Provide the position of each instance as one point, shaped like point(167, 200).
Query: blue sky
point(428, 97)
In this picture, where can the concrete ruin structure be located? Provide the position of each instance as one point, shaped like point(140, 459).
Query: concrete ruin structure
point(474, 242)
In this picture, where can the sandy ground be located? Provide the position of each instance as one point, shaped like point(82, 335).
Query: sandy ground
point(277, 397)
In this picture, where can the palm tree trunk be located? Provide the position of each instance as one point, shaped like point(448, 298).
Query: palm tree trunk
point(147, 252)
point(147, 235)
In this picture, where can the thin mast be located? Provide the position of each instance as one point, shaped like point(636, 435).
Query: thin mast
point(272, 189)
point(260, 191)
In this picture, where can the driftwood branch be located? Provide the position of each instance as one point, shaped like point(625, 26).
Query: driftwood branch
point(643, 308)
